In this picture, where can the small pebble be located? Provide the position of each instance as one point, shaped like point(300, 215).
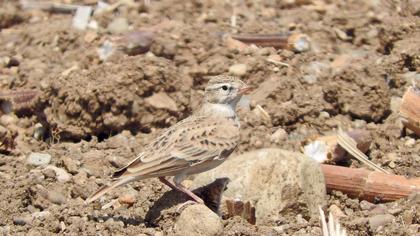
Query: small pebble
point(118, 26)
point(395, 104)
point(128, 199)
point(410, 142)
point(324, 115)
point(336, 211)
point(60, 174)
point(7, 120)
point(70, 165)
point(359, 124)
point(39, 159)
point(279, 135)
point(238, 69)
point(341, 34)
point(41, 214)
point(22, 220)
point(190, 222)
point(56, 197)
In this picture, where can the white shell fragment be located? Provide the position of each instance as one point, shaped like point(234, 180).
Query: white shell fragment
point(82, 17)
point(317, 150)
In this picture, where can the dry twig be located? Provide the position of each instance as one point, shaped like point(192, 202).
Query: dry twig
point(351, 147)
point(296, 42)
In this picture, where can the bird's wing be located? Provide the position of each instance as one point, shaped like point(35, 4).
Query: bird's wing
point(190, 142)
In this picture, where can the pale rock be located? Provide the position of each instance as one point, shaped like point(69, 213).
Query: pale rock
point(275, 181)
point(279, 135)
point(410, 142)
point(56, 197)
point(238, 69)
point(118, 25)
point(70, 165)
point(8, 120)
point(60, 174)
point(162, 101)
point(365, 205)
point(81, 17)
point(336, 211)
point(199, 220)
point(324, 115)
point(341, 34)
point(395, 104)
point(380, 220)
point(39, 159)
point(41, 215)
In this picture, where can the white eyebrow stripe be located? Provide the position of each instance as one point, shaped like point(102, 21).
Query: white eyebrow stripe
point(217, 86)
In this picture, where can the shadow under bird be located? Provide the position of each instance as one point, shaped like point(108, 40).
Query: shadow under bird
point(196, 144)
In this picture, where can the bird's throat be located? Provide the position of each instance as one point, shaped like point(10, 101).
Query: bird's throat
point(220, 110)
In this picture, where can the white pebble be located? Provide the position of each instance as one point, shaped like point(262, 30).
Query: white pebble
point(238, 69)
point(39, 159)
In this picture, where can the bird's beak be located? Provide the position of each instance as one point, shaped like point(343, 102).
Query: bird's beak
point(245, 90)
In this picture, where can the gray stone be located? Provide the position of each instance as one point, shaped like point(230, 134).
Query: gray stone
point(39, 159)
point(197, 219)
point(22, 220)
point(277, 182)
point(380, 220)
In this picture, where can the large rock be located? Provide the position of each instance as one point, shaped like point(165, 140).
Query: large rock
point(277, 182)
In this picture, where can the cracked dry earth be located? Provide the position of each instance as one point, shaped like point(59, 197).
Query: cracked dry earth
point(93, 116)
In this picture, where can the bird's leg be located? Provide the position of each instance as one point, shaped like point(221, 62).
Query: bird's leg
point(178, 186)
point(168, 183)
point(178, 179)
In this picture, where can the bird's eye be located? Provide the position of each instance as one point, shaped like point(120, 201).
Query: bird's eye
point(224, 87)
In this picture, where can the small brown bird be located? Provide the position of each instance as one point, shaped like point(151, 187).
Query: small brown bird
point(194, 145)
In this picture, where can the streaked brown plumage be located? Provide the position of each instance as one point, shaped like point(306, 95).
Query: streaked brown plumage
point(196, 144)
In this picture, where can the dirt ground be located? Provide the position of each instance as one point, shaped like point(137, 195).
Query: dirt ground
point(93, 116)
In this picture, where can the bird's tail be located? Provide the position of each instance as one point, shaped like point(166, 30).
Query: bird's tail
point(106, 188)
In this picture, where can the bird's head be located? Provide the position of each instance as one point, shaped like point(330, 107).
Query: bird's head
point(225, 89)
